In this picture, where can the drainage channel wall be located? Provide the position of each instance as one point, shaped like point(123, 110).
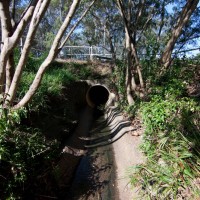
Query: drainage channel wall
point(95, 95)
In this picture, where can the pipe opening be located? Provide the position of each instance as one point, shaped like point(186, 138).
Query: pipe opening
point(97, 95)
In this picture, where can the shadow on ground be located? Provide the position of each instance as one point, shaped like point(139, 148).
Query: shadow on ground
point(94, 178)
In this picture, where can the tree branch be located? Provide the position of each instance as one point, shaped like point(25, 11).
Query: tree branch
point(10, 42)
point(52, 54)
point(39, 11)
point(75, 25)
point(176, 32)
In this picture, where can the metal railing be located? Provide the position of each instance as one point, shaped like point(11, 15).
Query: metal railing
point(85, 52)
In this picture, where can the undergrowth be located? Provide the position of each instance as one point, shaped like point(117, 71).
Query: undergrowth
point(26, 156)
point(57, 76)
point(171, 142)
point(22, 151)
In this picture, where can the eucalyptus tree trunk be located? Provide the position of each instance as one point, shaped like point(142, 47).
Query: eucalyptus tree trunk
point(52, 54)
point(129, 77)
point(11, 36)
point(128, 70)
point(6, 27)
point(111, 44)
point(10, 40)
point(134, 67)
point(39, 11)
point(183, 19)
point(55, 49)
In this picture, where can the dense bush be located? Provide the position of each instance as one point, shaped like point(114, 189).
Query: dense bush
point(22, 151)
point(25, 153)
point(27, 158)
point(171, 141)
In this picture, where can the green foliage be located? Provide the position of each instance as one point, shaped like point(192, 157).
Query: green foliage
point(21, 153)
point(33, 63)
point(25, 153)
point(149, 62)
point(80, 71)
point(132, 110)
point(54, 79)
point(171, 144)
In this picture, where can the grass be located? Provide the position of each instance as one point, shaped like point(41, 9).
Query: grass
point(171, 140)
point(171, 144)
point(26, 155)
point(57, 76)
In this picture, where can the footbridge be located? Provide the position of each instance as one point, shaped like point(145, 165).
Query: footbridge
point(85, 53)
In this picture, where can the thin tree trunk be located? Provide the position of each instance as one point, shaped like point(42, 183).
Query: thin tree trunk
point(52, 54)
point(128, 82)
point(39, 11)
point(133, 51)
point(13, 12)
point(138, 66)
point(75, 25)
point(162, 16)
point(128, 53)
point(7, 29)
point(10, 42)
point(112, 48)
point(183, 19)
point(9, 72)
point(128, 70)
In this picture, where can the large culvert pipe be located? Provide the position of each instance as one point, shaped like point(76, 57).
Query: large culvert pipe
point(97, 95)
point(74, 148)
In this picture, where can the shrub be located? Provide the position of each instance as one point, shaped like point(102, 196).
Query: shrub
point(22, 152)
point(171, 145)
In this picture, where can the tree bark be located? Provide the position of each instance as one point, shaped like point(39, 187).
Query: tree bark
point(52, 54)
point(9, 72)
point(183, 19)
point(162, 16)
point(130, 47)
point(10, 42)
point(112, 46)
point(7, 30)
point(39, 11)
point(128, 53)
point(128, 70)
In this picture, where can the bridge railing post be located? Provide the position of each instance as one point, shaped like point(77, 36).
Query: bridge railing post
point(91, 53)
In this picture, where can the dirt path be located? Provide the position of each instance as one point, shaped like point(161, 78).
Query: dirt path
point(126, 154)
point(103, 172)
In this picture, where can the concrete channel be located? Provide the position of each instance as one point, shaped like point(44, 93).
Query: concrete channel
point(94, 172)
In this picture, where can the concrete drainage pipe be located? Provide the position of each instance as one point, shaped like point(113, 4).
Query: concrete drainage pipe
point(97, 95)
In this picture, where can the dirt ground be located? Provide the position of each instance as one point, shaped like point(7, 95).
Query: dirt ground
point(104, 173)
point(126, 154)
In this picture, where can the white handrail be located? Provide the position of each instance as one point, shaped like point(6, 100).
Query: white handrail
point(85, 51)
